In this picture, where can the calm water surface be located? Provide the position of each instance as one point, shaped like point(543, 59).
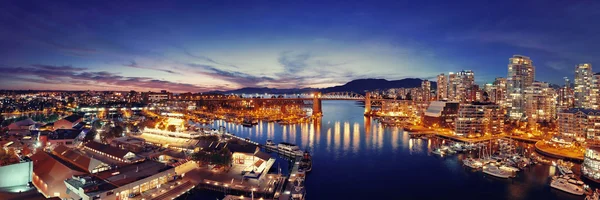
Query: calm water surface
point(356, 158)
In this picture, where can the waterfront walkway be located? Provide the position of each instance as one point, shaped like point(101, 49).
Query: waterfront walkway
point(557, 152)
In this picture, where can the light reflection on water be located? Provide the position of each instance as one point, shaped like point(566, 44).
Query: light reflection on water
point(353, 150)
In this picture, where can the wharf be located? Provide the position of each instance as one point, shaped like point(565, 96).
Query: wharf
point(524, 139)
point(546, 150)
point(290, 190)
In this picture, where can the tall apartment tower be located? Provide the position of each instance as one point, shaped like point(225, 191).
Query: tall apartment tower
point(442, 87)
point(583, 85)
point(426, 88)
point(596, 91)
point(500, 85)
point(461, 86)
point(521, 74)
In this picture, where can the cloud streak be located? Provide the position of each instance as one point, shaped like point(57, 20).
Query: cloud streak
point(67, 75)
point(134, 64)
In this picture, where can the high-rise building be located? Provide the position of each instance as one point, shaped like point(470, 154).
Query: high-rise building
point(583, 85)
point(453, 82)
point(540, 102)
point(461, 86)
point(500, 94)
point(478, 119)
point(580, 124)
point(426, 88)
point(595, 94)
point(521, 74)
point(442, 87)
point(565, 96)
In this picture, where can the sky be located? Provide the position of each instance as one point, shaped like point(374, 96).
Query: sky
point(199, 46)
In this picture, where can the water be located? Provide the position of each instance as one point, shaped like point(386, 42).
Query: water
point(356, 158)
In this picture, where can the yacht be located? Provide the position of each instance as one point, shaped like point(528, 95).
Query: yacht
point(564, 170)
point(288, 148)
point(306, 162)
point(509, 168)
point(472, 163)
point(249, 123)
point(271, 145)
point(497, 172)
point(438, 151)
point(562, 183)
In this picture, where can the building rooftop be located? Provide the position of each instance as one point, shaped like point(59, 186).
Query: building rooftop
point(130, 173)
point(91, 185)
point(262, 155)
point(239, 146)
point(72, 118)
point(584, 110)
point(63, 134)
point(107, 149)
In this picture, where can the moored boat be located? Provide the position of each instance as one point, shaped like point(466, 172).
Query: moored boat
point(563, 184)
point(497, 172)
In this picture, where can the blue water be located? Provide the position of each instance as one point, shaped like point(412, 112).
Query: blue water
point(356, 158)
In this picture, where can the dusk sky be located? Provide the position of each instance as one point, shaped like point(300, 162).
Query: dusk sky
point(200, 46)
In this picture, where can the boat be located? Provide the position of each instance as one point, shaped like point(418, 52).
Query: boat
point(306, 162)
point(472, 163)
point(509, 168)
point(594, 196)
point(290, 149)
point(497, 172)
point(564, 170)
point(249, 123)
point(563, 184)
point(438, 151)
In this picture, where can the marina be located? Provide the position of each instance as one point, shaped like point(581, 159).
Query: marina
point(343, 144)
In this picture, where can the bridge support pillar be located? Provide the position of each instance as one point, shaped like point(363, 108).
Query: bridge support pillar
point(317, 111)
point(368, 103)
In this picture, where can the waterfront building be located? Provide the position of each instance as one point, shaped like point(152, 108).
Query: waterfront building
point(583, 85)
point(591, 163)
point(442, 87)
point(521, 74)
point(540, 102)
point(80, 160)
point(110, 152)
point(120, 183)
point(49, 172)
point(580, 124)
point(478, 119)
point(441, 114)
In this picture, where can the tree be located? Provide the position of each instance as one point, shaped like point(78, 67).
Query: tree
point(97, 124)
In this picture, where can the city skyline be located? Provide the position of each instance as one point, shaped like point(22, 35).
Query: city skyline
point(219, 46)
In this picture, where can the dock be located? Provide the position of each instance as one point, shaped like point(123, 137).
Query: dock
point(290, 190)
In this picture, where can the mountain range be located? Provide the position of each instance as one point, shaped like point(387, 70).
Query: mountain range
point(358, 86)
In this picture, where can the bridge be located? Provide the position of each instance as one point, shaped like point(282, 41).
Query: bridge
point(314, 98)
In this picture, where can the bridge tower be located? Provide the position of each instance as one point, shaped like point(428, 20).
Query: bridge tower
point(368, 103)
point(317, 111)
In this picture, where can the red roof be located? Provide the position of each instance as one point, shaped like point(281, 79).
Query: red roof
point(107, 149)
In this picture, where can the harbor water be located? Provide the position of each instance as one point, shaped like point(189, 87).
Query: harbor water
point(356, 158)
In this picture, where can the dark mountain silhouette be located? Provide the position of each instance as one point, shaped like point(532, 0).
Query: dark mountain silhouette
point(358, 86)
